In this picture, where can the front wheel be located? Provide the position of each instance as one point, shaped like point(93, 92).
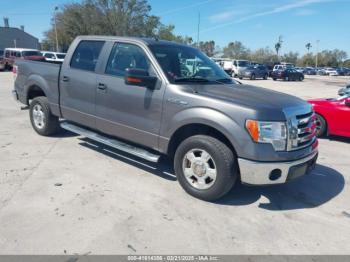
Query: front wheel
point(43, 121)
point(205, 167)
point(265, 76)
point(321, 126)
point(301, 78)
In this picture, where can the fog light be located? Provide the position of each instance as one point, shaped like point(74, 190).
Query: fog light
point(275, 174)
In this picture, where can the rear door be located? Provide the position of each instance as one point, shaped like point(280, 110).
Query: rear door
point(78, 83)
point(129, 112)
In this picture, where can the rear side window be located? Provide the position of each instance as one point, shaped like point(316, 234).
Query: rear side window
point(86, 55)
point(125, 56)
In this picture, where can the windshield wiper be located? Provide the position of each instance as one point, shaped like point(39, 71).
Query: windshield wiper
point(191, 79)
point(224, 80)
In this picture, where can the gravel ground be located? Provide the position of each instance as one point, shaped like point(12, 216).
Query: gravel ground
point(68, 195)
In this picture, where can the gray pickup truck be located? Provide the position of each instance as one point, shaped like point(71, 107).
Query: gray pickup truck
point(140, 96)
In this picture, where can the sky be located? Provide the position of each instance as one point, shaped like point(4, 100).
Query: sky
point(256, 23)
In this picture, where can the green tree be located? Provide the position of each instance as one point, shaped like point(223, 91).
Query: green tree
point(291, 57)
point(278, 45)
point(308, 47)
point(236, 50)
point(207, 47)
point(264, 56)
point(109, 17)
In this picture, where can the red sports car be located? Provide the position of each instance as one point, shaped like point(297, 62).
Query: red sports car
point(333, 116)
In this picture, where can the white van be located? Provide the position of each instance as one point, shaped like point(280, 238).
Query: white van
point(53, 56)
point(234, 67)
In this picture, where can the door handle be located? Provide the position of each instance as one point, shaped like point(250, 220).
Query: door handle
point(101, 86)
point(65, 78)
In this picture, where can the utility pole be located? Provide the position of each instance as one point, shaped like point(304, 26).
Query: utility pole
point(199, 22)
point(317, 42)
point(56, 8)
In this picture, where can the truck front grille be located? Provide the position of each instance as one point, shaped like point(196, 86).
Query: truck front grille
point(306, 129)
point(301, 128)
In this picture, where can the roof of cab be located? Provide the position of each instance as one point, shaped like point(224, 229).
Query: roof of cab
point(147, 41)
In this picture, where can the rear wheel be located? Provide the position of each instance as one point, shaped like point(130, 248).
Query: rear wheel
point(43, 121)
point(301, 78)
point(274, 79)
point(205, 167)
point(286, 78)
point(321, 126)
point(265, 76)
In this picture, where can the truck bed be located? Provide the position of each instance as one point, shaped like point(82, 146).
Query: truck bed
point(35, 73)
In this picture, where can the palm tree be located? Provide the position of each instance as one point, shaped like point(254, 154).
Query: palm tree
point(308, 46)
point(278, 45)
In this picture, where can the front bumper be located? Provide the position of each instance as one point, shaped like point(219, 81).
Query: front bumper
point(266, 173)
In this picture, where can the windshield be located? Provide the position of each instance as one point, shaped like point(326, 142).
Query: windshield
point(243, 63)
point(184, 63)
point(60, 56)
point(31, 53)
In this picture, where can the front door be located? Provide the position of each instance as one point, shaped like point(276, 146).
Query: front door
point(126, 111)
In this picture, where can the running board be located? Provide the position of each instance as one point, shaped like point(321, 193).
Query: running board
point(139, 152)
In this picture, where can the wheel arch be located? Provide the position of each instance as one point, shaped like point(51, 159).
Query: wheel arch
point(36, 86)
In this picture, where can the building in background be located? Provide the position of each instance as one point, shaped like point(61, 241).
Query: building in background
point(16, 37)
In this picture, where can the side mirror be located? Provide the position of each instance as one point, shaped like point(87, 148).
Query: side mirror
point(347, 101)
point(139, 77)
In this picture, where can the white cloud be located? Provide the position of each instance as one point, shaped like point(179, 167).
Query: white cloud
point(275, 10)
point(304, 12)
point(219, 17)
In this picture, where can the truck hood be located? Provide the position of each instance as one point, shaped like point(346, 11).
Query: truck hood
point(250, 96)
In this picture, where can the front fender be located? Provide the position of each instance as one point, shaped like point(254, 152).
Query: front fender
point(232, 130)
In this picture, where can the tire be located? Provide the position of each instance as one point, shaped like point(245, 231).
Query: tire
point(286, 78)
point(321, 126)
point(240, 78)
point(266, 76)
point(301, 78)
point(41, 118)
point(274, 79)
point(221, 159)
point(252, 77)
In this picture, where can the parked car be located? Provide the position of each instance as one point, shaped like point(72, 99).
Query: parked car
point(131, 94)
point(2, 61)
point(234, 67)
point(342, 71)
point(288, 74)
point(12, 54)
point(53, 56)
point(309, 71)
point(321, 71)
point(345, 90)
point(332, 116)
point(253, 72)
point(299, 69)
point(331, 71)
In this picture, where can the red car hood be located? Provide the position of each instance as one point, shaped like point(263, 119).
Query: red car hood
point(322, 101)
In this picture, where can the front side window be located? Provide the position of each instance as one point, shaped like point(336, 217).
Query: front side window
point(49, 55)
point(125, 56)
point(187, 64)
point(86, 55)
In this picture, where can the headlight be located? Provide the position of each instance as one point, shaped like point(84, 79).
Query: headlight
point(274, 133)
